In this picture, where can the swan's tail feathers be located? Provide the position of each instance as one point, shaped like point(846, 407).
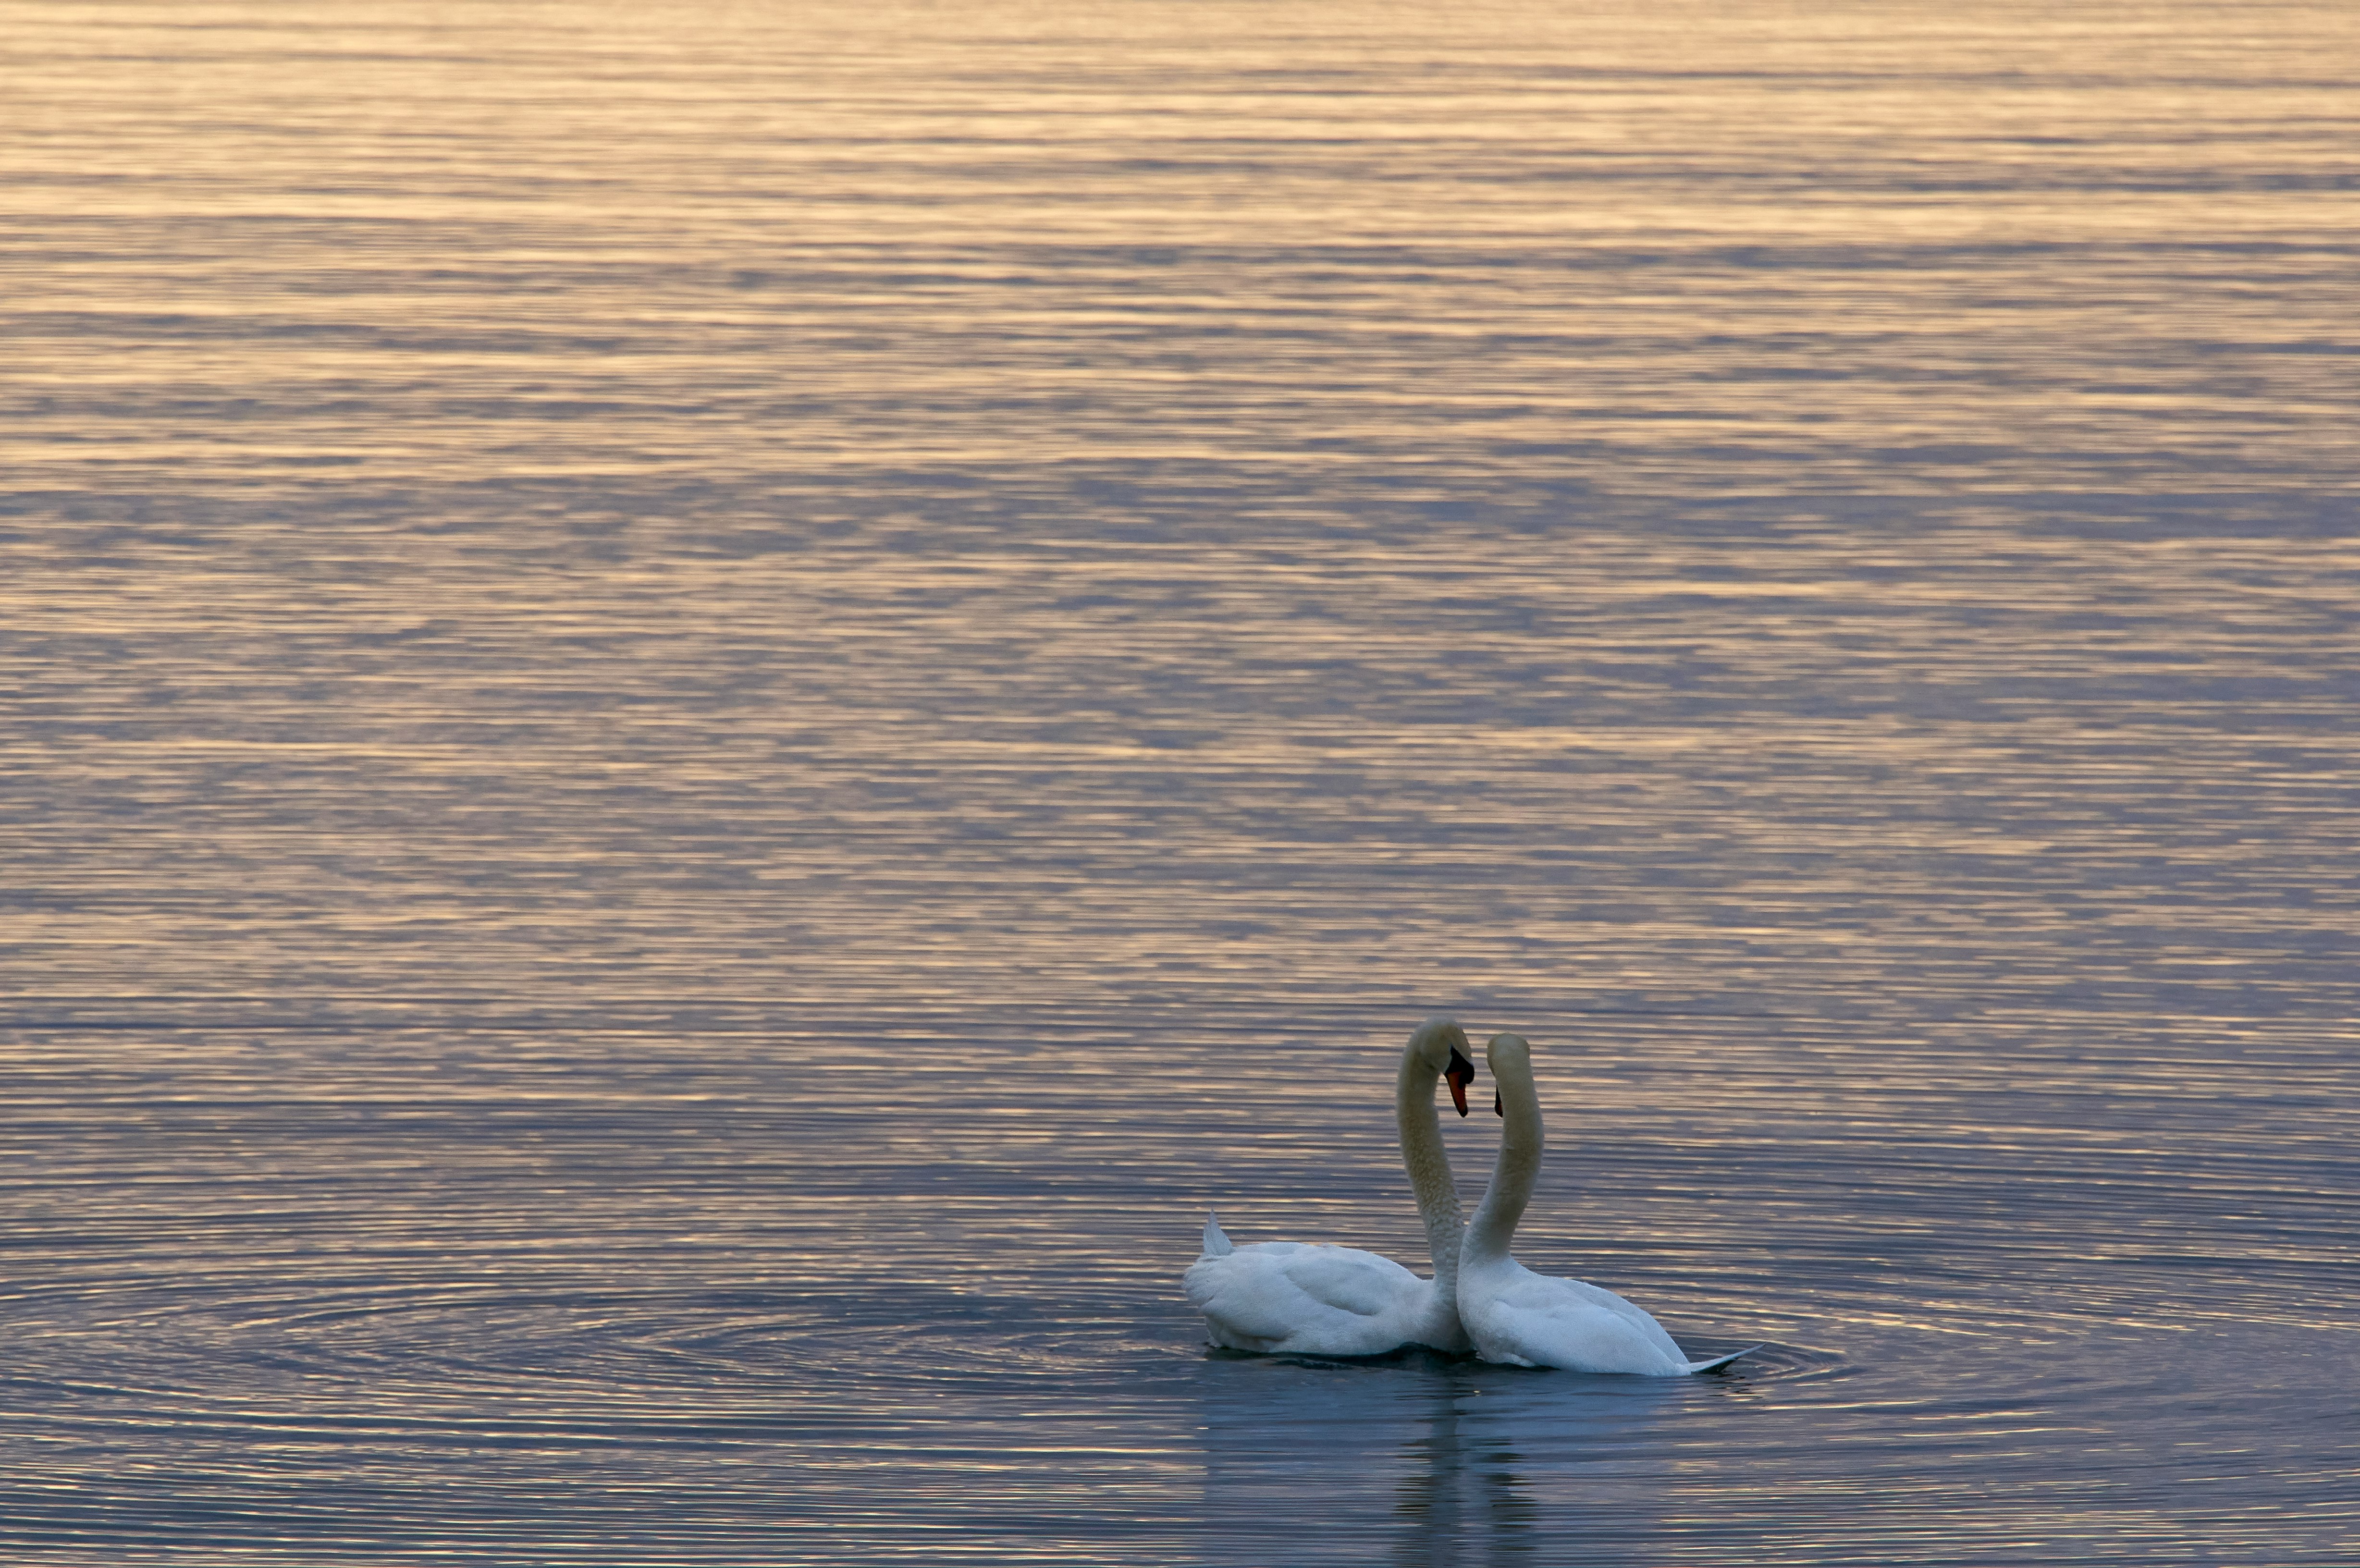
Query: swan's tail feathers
point(1717, 1362)
point(1216, 1244)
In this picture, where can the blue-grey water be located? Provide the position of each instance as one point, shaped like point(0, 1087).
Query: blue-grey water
point(707, 711)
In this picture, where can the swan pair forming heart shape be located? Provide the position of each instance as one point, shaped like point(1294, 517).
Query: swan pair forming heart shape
point(1289, 1298)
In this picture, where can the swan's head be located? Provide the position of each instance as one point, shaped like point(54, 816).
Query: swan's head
point(1513, 1051)
point(1441, 1045)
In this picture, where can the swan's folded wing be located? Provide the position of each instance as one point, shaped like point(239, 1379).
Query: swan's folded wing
point(1246, 1293)
point(1538, 1296)
point(1276, 1290)
point(1572, 1324)
point(1348, 1279)
point(1558, 1288)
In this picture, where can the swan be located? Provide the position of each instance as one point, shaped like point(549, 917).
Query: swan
point(1286, 1297)
point(1530, 1319)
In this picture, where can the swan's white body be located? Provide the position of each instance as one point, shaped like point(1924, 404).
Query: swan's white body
point(1532, 1320)
point(1288, 1297)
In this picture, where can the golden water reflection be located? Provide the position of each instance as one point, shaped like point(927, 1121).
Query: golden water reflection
point(707, 714)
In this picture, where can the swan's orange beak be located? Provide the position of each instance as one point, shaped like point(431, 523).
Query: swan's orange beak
point(1461, 1072)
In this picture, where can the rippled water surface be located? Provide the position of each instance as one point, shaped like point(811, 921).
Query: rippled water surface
point(707, 711)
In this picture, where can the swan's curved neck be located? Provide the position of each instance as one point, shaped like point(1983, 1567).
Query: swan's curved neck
point(1494, 1226)
point(1429, 1167)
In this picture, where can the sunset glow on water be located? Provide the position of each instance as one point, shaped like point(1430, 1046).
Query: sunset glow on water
point(708, 714)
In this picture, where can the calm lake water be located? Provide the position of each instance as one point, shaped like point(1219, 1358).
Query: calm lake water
point(708, 711)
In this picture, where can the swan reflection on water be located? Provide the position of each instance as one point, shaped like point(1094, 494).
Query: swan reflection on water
point(1426, 1459)
point(1464, 1497)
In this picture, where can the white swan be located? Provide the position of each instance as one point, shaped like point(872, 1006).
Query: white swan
point(1530, 1319)
point(1286, 1297)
